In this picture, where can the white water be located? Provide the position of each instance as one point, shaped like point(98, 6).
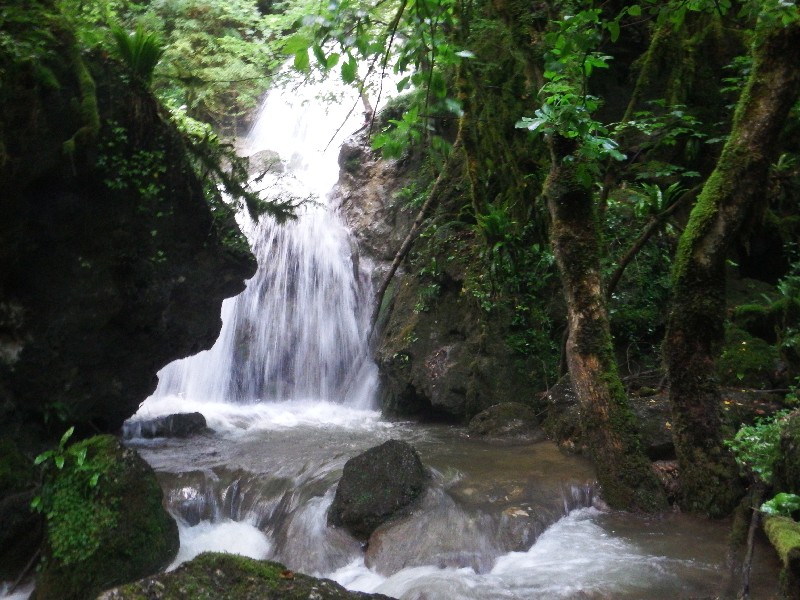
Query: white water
point(298, 332)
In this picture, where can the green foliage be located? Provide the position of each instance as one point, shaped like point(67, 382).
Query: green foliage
point(140, 51)
point(219, 55)
point(414, 39)
point(782, 504)
point(756, 447)
point(746, 360)
point(128, 168)
point(75, 515)
point(567, 108)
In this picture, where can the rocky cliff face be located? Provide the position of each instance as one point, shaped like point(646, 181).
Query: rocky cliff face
point(441, 354)
point(112, 262)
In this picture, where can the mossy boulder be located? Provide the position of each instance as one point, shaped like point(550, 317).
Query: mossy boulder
point(376, 486)
point(784, 534)
point(747, 361)
point(509, 421)
point(213, 576)
point(105, 523)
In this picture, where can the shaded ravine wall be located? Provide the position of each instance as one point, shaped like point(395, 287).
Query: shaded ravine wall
point(112, 263)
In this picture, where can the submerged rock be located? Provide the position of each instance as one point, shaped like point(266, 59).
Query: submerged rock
point(376, 486)
point(213, 576)
point(507, 420)
point(179, 425)
point(105, 522)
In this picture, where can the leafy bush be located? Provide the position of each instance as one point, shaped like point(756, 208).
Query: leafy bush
point(756, 447)
point(782, 504)
point(140, 51)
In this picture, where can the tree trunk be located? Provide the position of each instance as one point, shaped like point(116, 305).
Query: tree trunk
point(624, 472)
point(695, 325)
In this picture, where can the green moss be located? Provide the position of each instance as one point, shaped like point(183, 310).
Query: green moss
point(76, 515)
point(746, 361)
point(784, 535)
point(89, 112)
point(213, 576)
point(104, 533)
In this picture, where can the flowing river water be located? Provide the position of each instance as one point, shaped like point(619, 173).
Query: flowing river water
point(288, 392)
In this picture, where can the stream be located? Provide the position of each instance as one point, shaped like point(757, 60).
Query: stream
point(288, 392)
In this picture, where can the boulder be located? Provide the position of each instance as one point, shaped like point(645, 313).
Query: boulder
point(784, 535)
point(104, 521)
point(507, 420)
point(179, 425)
point(213, 576)
point(265, 161)
point(376, 486)
point(114, 259)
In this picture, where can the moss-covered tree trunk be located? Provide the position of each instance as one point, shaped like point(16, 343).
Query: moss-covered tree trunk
point(695, 323)
point(623, 470)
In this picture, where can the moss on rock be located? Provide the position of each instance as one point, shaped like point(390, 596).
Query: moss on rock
point(784, 534)
point(508, 420)
point(376, 486)
point(746, 361)
point(213, 576)
point(105, 523)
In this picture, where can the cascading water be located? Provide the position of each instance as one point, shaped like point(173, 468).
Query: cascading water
point(298, 332)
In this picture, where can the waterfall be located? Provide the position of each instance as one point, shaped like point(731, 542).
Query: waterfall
point(299, 330)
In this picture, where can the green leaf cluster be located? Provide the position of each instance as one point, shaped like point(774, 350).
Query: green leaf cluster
point(782, 504)
point(140, 51)
point(756, 447)
point(412, 39)
point(75, 514)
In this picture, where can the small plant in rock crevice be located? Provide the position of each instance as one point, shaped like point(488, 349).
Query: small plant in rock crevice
point(69, 499)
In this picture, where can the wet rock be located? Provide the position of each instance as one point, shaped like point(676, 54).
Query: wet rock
point(367, 198)
point(508, 420)
point(265, 161)
point(213, 576)
point(106, 534)
point(441, 534)
point(669, 476)
point(376, 486)
point(179, 425)
point(103, 282)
